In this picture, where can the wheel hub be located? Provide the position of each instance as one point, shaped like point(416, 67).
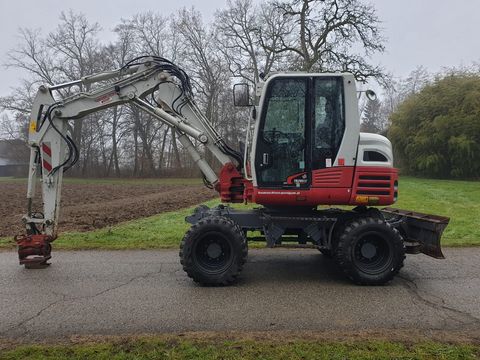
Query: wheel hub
point(368, 250)
point(214, 250)
point(372, 253)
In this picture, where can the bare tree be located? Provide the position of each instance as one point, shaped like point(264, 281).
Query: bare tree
point(212, 80)
point(75, 45)
point(204, 61)
point(76, 50)
point(395, 91)
point(8, 128)
point(246, 40)
point(148, 34)
point(249, 36)
point(414, 82)
point(326, 32)
point(117, 55)
point(21, 98)
point(34, 56)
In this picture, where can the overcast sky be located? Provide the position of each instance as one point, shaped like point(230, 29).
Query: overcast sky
point(432, 33)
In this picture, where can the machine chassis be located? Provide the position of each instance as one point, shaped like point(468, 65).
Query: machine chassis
point(368, 244)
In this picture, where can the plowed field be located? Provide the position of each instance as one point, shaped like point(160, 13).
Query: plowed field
point(95, 205)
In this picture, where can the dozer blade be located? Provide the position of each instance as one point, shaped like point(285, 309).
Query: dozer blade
point(422, 232)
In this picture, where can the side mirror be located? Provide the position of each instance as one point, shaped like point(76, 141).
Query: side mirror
point(371, 95)
point(241, 95)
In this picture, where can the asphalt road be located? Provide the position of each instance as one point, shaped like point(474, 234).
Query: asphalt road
point(130, 292)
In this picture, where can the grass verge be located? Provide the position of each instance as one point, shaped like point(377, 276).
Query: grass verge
point(159, 348)
point(460, 200)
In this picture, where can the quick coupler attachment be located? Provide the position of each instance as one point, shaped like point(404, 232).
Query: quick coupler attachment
point(34, 250)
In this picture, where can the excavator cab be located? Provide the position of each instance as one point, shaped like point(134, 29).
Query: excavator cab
point(301, 127)
point(307, 149)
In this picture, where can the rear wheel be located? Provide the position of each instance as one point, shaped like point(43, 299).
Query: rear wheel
point(214, 251)
point(370, 251)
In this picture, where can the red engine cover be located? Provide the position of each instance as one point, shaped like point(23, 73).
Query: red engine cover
point(336, 186)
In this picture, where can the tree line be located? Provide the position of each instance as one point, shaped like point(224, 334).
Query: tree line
point(376, 114)
point(433, 121)
point(435, 131)
point(244, 41)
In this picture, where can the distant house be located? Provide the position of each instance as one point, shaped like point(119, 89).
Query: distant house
point(14, 156)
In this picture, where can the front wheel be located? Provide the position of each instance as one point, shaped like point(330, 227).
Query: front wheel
point(370, 251)
point(326, 252)
point(214, 251)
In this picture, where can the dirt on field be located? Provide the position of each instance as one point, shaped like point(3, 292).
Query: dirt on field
point(92, 206)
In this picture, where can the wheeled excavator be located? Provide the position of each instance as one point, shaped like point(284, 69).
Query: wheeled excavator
point(304, 156)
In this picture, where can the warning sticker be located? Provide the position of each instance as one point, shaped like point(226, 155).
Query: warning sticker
point(106, 98)
point(33, 126)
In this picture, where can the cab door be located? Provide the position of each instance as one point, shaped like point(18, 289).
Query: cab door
point(281, 154)
point(328, 120)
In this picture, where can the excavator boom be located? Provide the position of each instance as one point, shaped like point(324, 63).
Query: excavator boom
point(151, 84)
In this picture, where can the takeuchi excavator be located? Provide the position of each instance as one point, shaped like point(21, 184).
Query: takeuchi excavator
point(304, 156)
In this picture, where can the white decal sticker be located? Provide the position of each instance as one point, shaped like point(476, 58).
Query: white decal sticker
point(278, 193)
point(328, 162)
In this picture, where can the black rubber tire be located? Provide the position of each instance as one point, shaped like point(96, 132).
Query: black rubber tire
point(326, 252)
point(196, 260)
point(384, 242)
point(337, 232)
